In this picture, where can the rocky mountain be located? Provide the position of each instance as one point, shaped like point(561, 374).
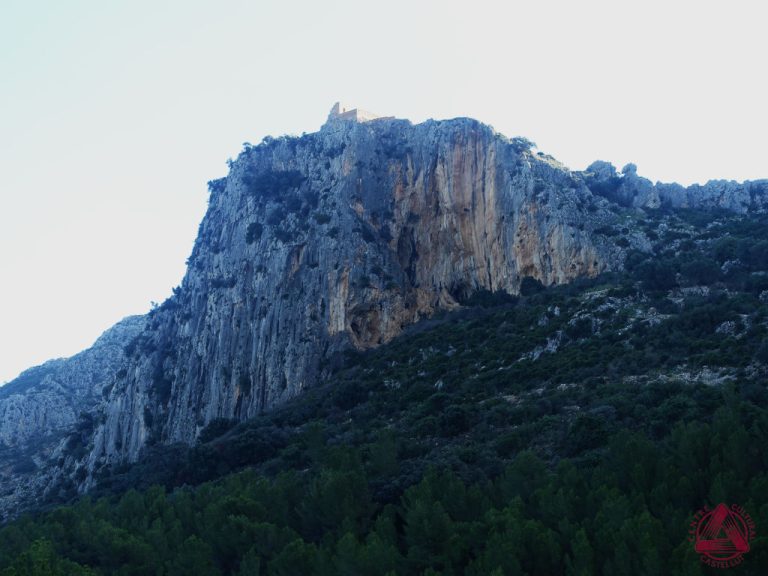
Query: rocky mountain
point(41, 408)
point(630, 190)
point(343, 237)
point(555, 426)
point(340, 240)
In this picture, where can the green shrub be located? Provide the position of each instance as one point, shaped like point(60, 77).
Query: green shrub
point(272, 183)
point(530, 286)
point(253, 232)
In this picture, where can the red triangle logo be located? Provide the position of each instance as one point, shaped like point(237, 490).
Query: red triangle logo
point(722, 533)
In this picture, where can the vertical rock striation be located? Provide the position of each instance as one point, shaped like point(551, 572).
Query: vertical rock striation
point(313, 245)
point(42, 407)
point(342, 238)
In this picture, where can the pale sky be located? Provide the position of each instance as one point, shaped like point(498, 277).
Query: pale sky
point(114, 115)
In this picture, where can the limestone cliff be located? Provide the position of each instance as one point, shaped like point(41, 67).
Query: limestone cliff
point(342, 238)
point(629, 189)
point(40, 408)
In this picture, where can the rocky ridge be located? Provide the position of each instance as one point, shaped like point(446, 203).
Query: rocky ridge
point(341, 239)
point(41, 408)
point(630, 190)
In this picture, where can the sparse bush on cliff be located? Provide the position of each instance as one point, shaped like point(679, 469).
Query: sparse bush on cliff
point(521, 144)
point(253, 232)
point(217, 186)
point(215, 428)
point(272, 184)
point(530, 285)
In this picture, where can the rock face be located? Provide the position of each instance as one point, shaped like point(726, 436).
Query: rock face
point(342, 238)
point(336, 239)
point(44, 404)
point(629, 189)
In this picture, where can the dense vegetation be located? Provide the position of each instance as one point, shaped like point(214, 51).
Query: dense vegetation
point(574, 430)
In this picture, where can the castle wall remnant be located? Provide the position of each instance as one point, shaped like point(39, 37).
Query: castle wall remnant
point(342, 112)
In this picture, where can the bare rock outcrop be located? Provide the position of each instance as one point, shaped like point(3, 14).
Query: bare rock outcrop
point(342, 238)
point(40, 409)
point(333, 240)
point(629, 189)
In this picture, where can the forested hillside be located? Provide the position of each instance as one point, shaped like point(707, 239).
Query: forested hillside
point(572, 430)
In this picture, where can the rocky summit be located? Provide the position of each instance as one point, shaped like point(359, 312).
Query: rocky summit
point(331, 241)
point(340, 239)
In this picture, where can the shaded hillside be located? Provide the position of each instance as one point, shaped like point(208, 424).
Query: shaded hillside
point(341, 240)
point(572, 430)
